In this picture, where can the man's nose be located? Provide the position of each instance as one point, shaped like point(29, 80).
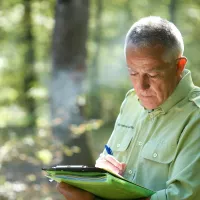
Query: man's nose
point(144, 82)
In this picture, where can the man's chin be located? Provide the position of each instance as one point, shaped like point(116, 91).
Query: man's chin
point(149, 106)
point(149, 102)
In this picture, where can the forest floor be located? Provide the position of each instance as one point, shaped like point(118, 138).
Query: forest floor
point(21, 176)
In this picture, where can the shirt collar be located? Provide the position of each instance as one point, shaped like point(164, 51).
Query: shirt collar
point(181, 91)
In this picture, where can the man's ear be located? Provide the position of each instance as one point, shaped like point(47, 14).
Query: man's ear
point(181, 62)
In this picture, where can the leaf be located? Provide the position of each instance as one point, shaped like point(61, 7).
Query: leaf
point(45, 156)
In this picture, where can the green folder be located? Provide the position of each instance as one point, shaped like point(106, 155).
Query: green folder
point(102, 184)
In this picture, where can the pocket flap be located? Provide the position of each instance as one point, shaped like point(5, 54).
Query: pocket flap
point(123, 144)
point(162, 152)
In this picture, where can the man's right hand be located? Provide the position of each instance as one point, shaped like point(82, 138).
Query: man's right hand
point(109, 163)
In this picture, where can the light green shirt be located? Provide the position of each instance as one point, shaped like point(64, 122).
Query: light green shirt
point(162, 148)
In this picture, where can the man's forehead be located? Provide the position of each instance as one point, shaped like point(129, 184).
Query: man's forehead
point(142, 48)
point(147, 69)
point(155, 51)
point(150, 59)
point(147, 63)
point(147, 60)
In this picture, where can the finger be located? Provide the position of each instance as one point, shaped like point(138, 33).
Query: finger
point(114, 161)
point(72, 193)
point(65, 190)
point(101, 163)
point(104, 164)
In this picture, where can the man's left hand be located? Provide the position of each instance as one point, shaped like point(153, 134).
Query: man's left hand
point(73, 193)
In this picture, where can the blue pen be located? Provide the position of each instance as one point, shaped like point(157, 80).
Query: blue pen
point(108, 150)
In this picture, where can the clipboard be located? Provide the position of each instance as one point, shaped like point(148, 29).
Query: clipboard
point(98, 181)
point(74, 168)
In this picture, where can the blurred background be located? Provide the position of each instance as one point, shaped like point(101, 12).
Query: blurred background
point(62, 79)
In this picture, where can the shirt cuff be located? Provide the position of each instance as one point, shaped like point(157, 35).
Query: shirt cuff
point(159, 195)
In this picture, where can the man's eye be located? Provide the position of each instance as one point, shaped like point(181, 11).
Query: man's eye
point(133, 74)
point(153, 75)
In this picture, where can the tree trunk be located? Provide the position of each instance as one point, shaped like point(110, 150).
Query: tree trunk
point(94, 98)
point(68, 75)
point(29, 76)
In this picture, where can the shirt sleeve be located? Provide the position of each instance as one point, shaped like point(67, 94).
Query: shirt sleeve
point(159, 195)
point(184, 176)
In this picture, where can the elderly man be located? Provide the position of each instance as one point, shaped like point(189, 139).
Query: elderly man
point(156, 139)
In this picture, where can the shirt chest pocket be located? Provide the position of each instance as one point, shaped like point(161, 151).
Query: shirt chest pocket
point(160, 152)
point(123, 142)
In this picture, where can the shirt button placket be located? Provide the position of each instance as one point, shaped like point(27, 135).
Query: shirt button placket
point(140, 143)
point(131, 175)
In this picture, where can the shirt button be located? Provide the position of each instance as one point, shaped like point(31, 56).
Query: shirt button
point(155, 155)
point(151, 115)
point(194, 95)
point(118, 145)
point(130, 171)
point(139, 143)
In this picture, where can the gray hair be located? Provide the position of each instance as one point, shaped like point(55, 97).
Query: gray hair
point(153, 30)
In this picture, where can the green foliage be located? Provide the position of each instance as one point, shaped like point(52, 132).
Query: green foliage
point(8, 95)
point(85, 127)
point(117, 17)
point(45, 156)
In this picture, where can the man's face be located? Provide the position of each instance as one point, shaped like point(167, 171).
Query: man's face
point(153, 78)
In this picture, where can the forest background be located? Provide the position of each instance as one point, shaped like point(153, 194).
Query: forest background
point(62, 79)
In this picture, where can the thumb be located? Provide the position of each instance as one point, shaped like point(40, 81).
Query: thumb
point(63, 189)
